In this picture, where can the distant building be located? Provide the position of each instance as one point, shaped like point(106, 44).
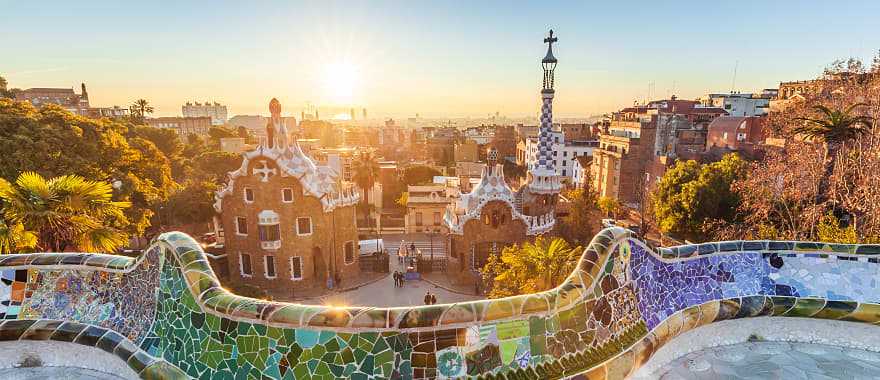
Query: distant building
point(183, 126)
point(467, 151)
point(563, 153)
point(732, 133)
point(288, 223)
point(425, 206)
point(581, 168)
point(215, 111)
point(504, 140)
point(64, 97)
point(739, 104)
point(233, 145)
point(111, 112)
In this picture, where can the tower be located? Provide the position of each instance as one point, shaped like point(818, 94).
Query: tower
point(276, 131)
point(543, 178)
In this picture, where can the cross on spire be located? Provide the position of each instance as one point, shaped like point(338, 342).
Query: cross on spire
point(550, 40)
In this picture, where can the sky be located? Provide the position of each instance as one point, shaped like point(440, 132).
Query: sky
point(438, 59)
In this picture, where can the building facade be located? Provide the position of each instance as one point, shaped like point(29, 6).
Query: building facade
point(216, 111)
point(425, 206)
point(288, 223)
point(64, 97)
point(732, 133)
point(183, 126)
point(493, 215)
point(739, 104)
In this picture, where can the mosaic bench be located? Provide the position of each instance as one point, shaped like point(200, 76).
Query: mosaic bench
point(165, 314)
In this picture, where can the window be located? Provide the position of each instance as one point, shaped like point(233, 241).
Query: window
point(241, 225)
point(563, 173)
point(269, 233)
point(436, 218)
point(303, 226)
point(287, 195)
point(349, 252)
point(565, 154)
point(296, 268)
point(418, 219)
point(248, 195)
point(244, 264)
point(270, 266)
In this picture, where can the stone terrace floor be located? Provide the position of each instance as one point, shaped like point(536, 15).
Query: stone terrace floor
point(773, 360)
point(65, 373)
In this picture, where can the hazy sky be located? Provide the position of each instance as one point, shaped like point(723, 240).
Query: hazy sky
point(440, 58)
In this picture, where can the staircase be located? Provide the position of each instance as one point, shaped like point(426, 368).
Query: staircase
point(423, 243)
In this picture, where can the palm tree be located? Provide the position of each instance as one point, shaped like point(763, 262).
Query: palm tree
point(65, 213)
point(366, 170)
point(14, 238)
point(140, 108)
point(833, 128)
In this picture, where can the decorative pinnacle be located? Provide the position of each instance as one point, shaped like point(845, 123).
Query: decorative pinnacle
point(549, 58)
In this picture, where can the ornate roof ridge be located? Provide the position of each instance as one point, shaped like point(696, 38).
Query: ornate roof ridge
point(319, 181)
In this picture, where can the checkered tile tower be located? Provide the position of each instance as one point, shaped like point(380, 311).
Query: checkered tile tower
point(543, 177)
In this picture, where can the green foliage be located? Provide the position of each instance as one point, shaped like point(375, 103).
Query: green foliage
point(192, 204)
point(691, 195)
point(834, 126)
point(419, 174)
point(611, 207)
point(829, 230)
point(214, 165)
point(54, 142)
point(65, 213)
point(139, 110)
point(531, 267)
point(14, 238)
point(216, 133)
point(404, 199)
point(582, 221)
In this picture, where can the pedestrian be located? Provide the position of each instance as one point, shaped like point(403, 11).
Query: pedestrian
point(396, 279)
point(433, 299)
point(428, 297)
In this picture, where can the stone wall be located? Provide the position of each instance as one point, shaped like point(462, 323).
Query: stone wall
point(166, 315)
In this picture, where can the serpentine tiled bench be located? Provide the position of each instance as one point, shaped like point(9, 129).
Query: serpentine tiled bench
point(166, 315)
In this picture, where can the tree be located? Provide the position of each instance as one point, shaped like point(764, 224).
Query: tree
point(690, 195)
point(214, 165)
point(419, 174)
point(583, 219)
point(366, 171)
point(66, 212)
point(610, 207)
point(832, 129)
point(139, 109)
point(530, 267)
point(218, 132)
point(54, 142)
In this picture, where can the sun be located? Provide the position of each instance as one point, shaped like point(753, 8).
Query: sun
point(340, 81)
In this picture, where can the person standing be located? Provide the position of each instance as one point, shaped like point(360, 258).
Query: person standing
point(428, 296)
point(396, 279)
point(433, 299)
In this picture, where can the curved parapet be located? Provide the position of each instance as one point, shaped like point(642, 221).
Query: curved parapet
point(167, 316)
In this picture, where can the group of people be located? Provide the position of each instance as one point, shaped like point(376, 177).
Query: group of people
point(398, 279)
point(430, 298)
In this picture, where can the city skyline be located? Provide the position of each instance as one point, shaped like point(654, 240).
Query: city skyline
point(466, 64)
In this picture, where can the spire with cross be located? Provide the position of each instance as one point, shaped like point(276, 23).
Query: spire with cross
point(549, 62)
point(544, 177)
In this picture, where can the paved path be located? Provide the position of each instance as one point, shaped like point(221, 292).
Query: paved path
point(382, 293)
point(773, 360)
